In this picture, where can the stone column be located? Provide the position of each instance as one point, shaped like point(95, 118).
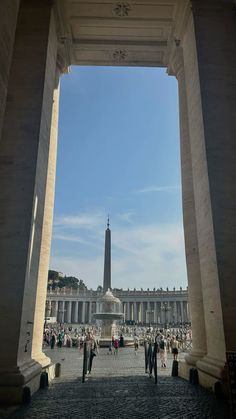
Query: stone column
point(90, 312)
point(155, 312)
point(83, 311)
point(182, 311)
point(49, 308)
point(175, 312)
point(209, 48)
point(76, 311)
point(128, 310)
point(162, 316)
point(135, 312)
point(25, 143)
point(56, 310)
point(139, 312)
point(142, 313)
point(189, 219)
point(63, 310)
point(37, 352)
point(69, 311)
point(8, 21)
point(188, 313)
point(148, 312)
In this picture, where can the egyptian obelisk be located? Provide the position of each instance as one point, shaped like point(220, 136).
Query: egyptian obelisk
point(107, 259)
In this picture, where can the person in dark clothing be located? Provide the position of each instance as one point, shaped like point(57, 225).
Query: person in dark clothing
point(91, 356)
point(52, 341)
point(121, 341)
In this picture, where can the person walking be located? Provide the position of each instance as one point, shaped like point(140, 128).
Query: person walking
point(52, 341)
point(175, 345)
point(163, 353)
point(116, 346)
point(92, 354)
point(135, 345)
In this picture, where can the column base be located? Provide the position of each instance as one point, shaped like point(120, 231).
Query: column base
point(19, 383)
point(212, 370)
point(189, 362)
point(193, 357)
point(42, 359)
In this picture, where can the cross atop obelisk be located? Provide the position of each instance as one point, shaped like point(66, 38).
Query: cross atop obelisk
point(107, 259)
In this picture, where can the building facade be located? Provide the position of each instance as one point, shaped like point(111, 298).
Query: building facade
point(159, 307)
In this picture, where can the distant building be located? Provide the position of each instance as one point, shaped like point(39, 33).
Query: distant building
point(155, 306)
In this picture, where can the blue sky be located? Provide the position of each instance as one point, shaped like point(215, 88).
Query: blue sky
point(118, 153)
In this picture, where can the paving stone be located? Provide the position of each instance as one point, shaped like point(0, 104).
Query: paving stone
point(119, 388)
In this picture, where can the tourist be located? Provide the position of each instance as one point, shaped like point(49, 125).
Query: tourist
point(116, 346)
point(92, 354)
point(135, 345)
point(174, 345)
point(163, 353)
point(52, 341)
point(60, 339)
point(110, 349)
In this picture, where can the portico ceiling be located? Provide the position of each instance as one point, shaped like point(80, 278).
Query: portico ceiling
point(130, 33)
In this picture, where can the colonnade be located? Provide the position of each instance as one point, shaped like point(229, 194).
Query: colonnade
point(139, 306)
point(157, 312)
point(65, 311)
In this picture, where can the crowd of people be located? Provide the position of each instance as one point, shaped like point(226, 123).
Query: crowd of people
point(63, 335)
point(169, 340)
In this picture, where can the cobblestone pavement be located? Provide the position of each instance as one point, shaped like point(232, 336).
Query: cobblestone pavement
point(119, 388)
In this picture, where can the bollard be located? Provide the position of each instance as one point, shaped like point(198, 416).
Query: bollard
point(58, 370)
point(26, 396)
point(85, 362)
point(175, 366)
point(146, 357)
point(155, 360)
point(218, 390)
point(193, 376)
point(44, 380)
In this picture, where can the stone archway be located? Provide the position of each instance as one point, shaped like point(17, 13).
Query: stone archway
point(41, 40)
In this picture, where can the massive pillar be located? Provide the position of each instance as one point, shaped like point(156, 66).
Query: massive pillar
point(37, 353)
point(189, 220)
point(107, 260)
point(8, 20)
point(209, 50)
point(24, 151)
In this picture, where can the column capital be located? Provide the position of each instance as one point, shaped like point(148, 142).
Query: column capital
point(176, 62)
point(64, 52)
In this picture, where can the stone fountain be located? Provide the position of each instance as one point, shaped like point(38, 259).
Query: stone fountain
point(109, 312)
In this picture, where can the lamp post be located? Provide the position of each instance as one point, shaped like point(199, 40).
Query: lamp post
point(165, 307)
